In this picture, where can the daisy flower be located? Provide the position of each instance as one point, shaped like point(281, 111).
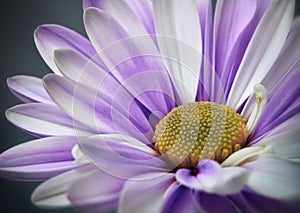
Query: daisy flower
point(168, 107)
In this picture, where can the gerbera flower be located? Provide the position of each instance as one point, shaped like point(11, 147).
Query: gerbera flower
point(165, 109)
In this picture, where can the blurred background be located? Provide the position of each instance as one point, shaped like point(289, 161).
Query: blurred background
point(19, 56)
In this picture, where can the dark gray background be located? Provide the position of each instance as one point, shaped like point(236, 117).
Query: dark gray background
point(19, 56)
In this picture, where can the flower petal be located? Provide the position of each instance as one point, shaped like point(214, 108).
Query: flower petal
point(38, 159)
point(214, 203)
point(50, 37)
point(97, 191)
point(248, 202)
point(122, 156)
point(134, 199)
point(263, 49)
point(287, 62)
point(29, 89)
point(53, 192)
point(213, 179)
point(46, 120)
point(131, 59)
point(181, 199)
point(142, 9)
point(85, 105)
point(122, 13)
point(274, 177)
point(232, 20)
point(283, 105)
point(179, 39)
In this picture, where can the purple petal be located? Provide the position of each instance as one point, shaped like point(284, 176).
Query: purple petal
point(181, 199)
point(249, 202)
point(50, 37)
point(29, 89)
point(38, 159)
point(287, 62)
point(283, 105)
point(142, 10)
point(85, 105)
point(53, 192)
point(214, 203)
point(274, 177)
point(46, 150)
point(130, 60)
point(212, 178)
point(45, 120)
point(121, 156)
point(145, 193)
point(97, 191)
point(123, 14)
point(262, 51)
point(232, 18)
point(180, 44)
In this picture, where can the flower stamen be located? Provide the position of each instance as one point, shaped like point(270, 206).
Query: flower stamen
point(261, 100)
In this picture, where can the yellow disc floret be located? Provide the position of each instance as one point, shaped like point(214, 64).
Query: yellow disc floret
point(200, 130)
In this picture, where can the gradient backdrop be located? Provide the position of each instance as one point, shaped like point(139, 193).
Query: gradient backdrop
point(19, 56)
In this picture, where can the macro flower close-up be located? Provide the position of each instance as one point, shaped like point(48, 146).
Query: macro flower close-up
point(166, 106)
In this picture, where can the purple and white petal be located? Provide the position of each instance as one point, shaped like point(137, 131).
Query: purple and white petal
point(28, 89)
point(179, 38)
point(97, 191)
point(45, 120)
point(283, 105)
point(147, 191)
point(274, 177)
point(84, 105)
point(212, 178)
point(180, 199)
point(123, 14)
point(263, 49)
point(122, 156)
point(38, 159)
point(232, 19)
point(131, 59)
point(50, 37)
point(53, 192)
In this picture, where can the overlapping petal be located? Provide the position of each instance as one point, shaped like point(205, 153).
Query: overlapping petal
point(38, 159)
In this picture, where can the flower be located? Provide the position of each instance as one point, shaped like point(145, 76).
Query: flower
point(117, 117)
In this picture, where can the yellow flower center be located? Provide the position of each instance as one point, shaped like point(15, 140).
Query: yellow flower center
point(200, 130)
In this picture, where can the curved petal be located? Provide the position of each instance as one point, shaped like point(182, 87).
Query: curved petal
point(122, 156)
point(287, 62)
point(142, 10)
point(45, 120)
point(212, 178)
point(274, 177)
point(283, 105)
point(38, 159)
point(263, 49)
point(50, 37)
point(29, 89)
point(181, 199)
point(145, 193)
point(179, 38)
point(214, 203)
point(248, 201)
point(231, 20)
point(53, 192)
point(84, 104)
point(123, 14)
point(97, 191)
point(131, 59)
